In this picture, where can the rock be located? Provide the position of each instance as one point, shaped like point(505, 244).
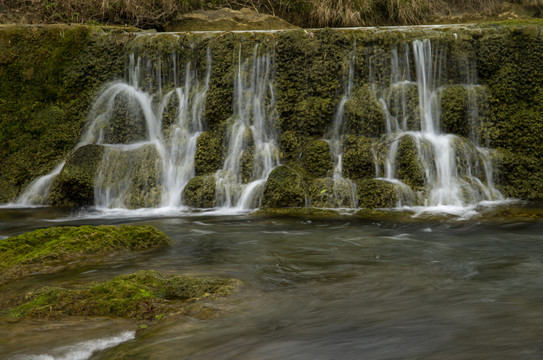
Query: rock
point(144, 295)
point(75, 184)
point(50, 250)
point(285, 188)
point(227, 20)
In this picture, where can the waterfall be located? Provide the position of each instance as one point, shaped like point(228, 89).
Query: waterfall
point(37, 192)
point(454, 170)
point(148, 135)
point(146, 126)
point(154, 171)
point(343, 190)
point(252, 151)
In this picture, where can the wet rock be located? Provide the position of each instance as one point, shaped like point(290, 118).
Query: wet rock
point(227, 20)
point(74, 186)
point(200, 192)
point(285, 188)
point(50, 250)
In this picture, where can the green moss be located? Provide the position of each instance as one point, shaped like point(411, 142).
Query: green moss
point(403, 105)
point(519, 175)
point(75, 184)
point(358, 159)
point(296, 212)
point(454, 110)
point(48, 250)
point(310, 67)
point(376, 194)
point(209, 153)
point(332, 193)
point(409, 167)
point(285, 188)
point(364, 115)
point(317, 159)
point(291, 146)
point(48, 78)
point(142, 295)
point(200, 192)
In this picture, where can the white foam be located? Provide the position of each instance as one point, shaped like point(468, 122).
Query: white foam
point(82, 350)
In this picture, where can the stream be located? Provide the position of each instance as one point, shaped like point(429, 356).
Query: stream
point(337, 288)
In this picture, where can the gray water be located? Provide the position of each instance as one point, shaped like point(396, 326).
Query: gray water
point(341, 288)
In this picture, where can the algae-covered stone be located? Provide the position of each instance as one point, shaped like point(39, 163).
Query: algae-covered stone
point(403, 105)
point(333, 193)
point(317, 158)
point(358, 159)
point(408, 165)
point(130, 178)
point(50, 250)
point(200, 192)
point(227, 20)
point(126, 123)
point(364, 114)
point(142, 295)
point(454, 110)
point(209, 153)
point(285, 188)
point(374, 193)
point(291, 146)
point(74, 186)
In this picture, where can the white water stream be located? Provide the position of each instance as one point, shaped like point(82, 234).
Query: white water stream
point(446, 181)
point(251, 133)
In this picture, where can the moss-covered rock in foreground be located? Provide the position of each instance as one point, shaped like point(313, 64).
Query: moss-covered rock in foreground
point(142, 295)
point(49, 250)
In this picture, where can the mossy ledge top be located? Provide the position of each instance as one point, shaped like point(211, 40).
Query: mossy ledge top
point(144, 295)
point(49, 250)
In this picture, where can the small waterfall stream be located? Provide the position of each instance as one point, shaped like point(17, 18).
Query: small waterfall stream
point(252, 150)
point(445, 181)
point(343, 189)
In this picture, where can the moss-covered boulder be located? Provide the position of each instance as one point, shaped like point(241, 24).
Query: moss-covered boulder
point(359, 159)
point(403, 106)
point(74, 186)
point(144, 295)
point(374, 193)
point(200, 192)
point(317, 159)
point(364, 114)
point(49, 250)
point(454, 110)
point(285, 188)
point(130, 178)
point(209, 153)
point(408, 165)
point(332, 193)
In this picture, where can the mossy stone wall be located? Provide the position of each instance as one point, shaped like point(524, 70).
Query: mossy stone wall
point(49, 76)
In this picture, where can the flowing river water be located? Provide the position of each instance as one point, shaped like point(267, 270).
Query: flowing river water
point(334, 288)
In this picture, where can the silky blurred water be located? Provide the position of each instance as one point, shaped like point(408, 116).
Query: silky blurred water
point(339, 288)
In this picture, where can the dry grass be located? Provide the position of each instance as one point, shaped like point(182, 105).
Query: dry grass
point(305, 13)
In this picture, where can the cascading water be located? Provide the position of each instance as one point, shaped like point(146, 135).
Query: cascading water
point(157, 169)
point(343, 190)
point(149, 138)
point(453, 171)
point(145, 130)
point(251, 139)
